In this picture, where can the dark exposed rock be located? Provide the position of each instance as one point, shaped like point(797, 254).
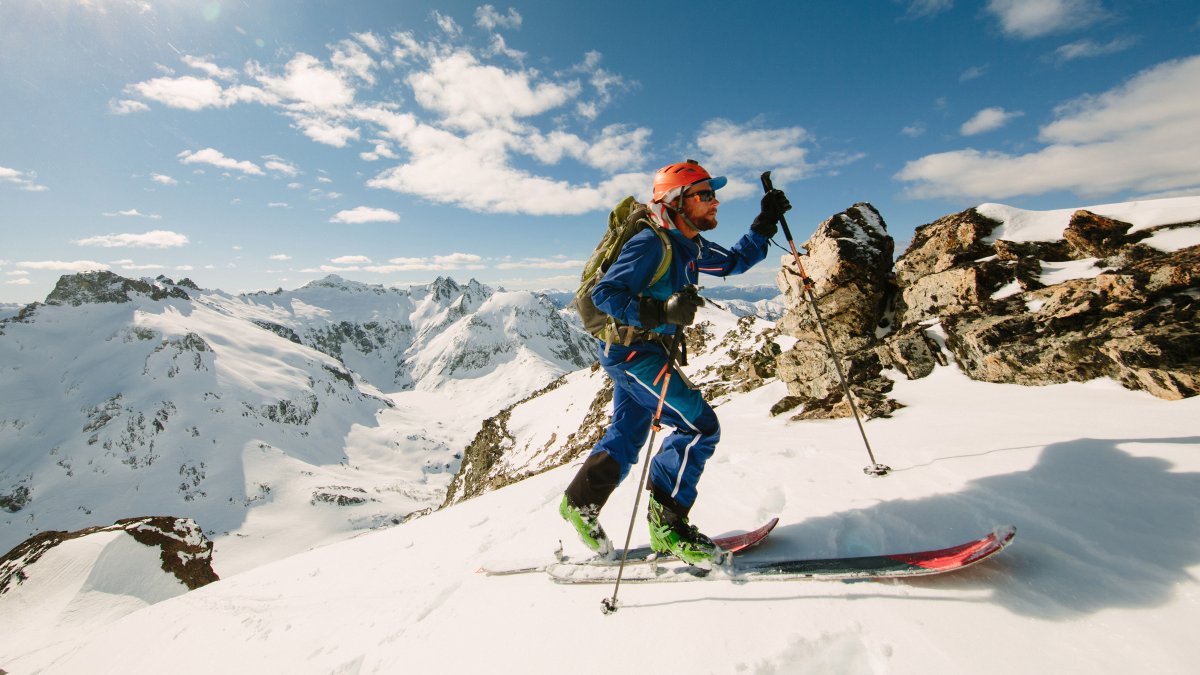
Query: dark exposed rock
point(945, 243)
point(849, 258)
point(184, 550)
point(1095, 236)
point(104, 286)
point(480, 471)
point(1134, 320)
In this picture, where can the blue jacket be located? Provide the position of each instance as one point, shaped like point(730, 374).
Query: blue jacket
point(617, 294)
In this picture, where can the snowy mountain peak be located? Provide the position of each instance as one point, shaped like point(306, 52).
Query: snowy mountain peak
point(444, 289)
point(334, 282)
point(102, 286)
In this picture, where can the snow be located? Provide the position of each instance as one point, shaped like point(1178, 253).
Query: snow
point(1102, 484)
point(1020, 225)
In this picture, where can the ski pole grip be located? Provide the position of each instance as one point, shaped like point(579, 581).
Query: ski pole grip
point(767, 187)
point(766, 182)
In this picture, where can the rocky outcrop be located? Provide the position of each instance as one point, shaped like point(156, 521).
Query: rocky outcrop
point(1133, 316)
point(849, 260)
point(749, 352)
point(104, 286)
point(1137, 324)
point(183, 549)
point(484, 467)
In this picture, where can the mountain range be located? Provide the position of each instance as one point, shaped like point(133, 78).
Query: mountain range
point(298, 415)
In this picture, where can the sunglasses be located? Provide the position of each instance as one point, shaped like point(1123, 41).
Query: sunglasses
point(703, 195)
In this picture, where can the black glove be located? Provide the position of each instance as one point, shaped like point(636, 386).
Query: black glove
point(679, 309)
point(774, 205)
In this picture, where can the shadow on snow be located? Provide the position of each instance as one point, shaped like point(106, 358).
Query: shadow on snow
point(1097, 528)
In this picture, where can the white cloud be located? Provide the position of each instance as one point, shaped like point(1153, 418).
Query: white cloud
point(20, 281)
point(618, 147)
point(438, 263)
point(382, 151)
point(499, 47)
point(280, 165)
point(351, 260)
point(606, 85)
point(448, 25)
point(472, 96)
point(308, 84)
point(988, 119)
point(24, 180)
point(152, 239)
point(280, 257)
point(914, 130)
point(134, 213)
point(557, 263)
point(74, 266)
point(365, 214)
point(326, 132)
point(126, 107)
point(1141, 136)
point(972, 73)
point(349, 57)
point(466, 111)
point(102, 6)
point(731, 149)
point(370, 41)
point(209, 68)
point(188, 92)
point(1034, 18)
point(436, 167)
point(218, 159)
point(1086, 49)
point(926, 8)
point(163, 179)
point(487, 18)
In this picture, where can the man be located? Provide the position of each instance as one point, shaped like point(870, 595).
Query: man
point(684, 205)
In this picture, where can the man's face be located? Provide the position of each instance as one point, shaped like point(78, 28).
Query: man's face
point(703, 214)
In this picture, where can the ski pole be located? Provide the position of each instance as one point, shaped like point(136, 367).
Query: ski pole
point(609, 605)
point(875, 468)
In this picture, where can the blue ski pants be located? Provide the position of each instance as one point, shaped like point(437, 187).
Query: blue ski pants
point(635, 372)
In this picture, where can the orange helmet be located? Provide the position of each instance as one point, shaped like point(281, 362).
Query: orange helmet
point(671, 180)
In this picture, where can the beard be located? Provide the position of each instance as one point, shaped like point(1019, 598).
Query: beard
point(705, 223)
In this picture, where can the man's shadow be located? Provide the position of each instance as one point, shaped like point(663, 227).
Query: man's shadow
point(1097, 528)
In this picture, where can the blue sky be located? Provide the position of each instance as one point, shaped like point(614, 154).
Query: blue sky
point(254, 145)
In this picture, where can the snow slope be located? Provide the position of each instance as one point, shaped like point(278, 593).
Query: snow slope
point(1103, 485)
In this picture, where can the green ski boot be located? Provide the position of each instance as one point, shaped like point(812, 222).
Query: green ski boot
point(672, 533)
point(586, 521)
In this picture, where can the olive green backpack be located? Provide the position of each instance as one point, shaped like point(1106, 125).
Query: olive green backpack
point(627, 219)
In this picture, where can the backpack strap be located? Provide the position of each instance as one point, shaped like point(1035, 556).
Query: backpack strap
point(617, 332)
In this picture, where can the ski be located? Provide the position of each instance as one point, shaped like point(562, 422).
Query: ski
point(888, 566)
point(642, 554)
